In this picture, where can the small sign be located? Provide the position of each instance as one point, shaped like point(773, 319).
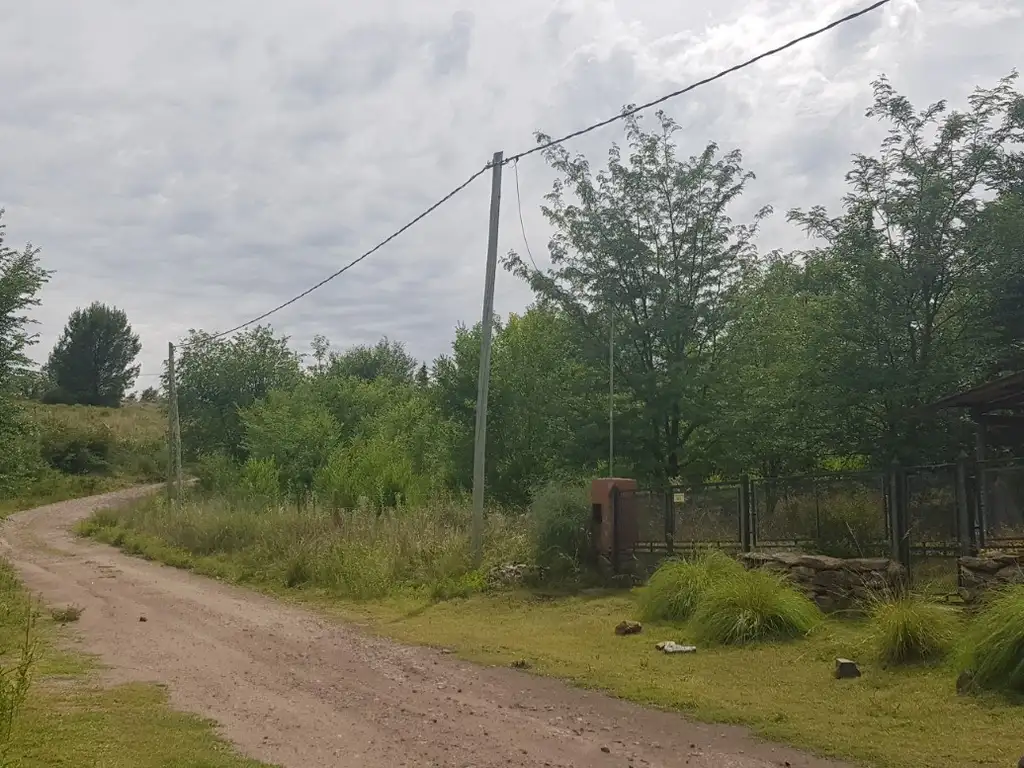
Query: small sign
point(679, 498)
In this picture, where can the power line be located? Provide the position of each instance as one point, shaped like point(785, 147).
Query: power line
point(368, 253)
point(629, 112)
point(546, 145)
point(522, 224)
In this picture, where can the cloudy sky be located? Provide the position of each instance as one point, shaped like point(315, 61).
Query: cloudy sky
point(197, 163)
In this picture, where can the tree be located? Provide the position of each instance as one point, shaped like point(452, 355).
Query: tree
point(21, 279)
point(149, 395)
point(386, 358)
point(901, 271)
point(648, 244)
point(93, 361)
point(216, 377)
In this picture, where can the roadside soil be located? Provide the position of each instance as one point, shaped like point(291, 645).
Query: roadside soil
point(292, 688)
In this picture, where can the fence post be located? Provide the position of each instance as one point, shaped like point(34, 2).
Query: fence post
point(670, 521)
point(964, 524)
point(900, 544)
point(746, 540)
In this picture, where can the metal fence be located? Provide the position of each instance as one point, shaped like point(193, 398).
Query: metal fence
point(924, 517)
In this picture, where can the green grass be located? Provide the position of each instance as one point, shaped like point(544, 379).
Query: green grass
point(675, 590)
point(909, 629)
point(895, 717)
point(351, 555)
point(133, 435)
point(994, 646)
point(752, 607)
point(69, 720)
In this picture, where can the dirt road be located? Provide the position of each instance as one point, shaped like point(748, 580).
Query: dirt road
point(291, 688)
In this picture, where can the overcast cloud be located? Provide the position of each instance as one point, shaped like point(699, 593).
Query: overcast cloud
point(197, 163)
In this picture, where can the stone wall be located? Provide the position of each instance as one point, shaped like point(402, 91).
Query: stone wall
point(989, 571)
point(833, 583)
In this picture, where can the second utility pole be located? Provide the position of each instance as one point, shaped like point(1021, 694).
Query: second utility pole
point(480, 434)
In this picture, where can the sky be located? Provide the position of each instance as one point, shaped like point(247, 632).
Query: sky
point(198, 163)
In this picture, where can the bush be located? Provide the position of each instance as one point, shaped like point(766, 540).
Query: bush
point(561, 528)
point(993, 648)
point(216, 473)
point(677, 587)
point(909, 629)
point(752, 606)
point(76, 448)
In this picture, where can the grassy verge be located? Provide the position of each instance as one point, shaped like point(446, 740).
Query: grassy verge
point(68, 720)
point(892, 718)
point(84, 451)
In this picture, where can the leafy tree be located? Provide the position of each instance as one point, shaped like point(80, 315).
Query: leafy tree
point(149, 395)
point(21, 279)
point(546, 408)
point(649, 243)
point(775, 410)
point(93, 361)
point(901, 271)
point(386, 358)
point(217, 377)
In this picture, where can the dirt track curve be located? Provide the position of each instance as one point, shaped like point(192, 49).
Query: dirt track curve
point(291, 688)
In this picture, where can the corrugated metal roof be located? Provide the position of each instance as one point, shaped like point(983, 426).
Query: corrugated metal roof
point(1005, 393)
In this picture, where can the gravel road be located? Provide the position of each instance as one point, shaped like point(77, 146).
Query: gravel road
point(292, 688)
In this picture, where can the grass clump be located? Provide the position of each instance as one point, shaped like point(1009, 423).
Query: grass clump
point(993, 649)
point(675, 590)
point(753, 606)
point(908, 629)
point(66, 614)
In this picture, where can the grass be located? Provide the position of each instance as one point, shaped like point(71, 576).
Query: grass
point(752, 607)
point(66, 614)
point(910, 629)
point(350, 555)
point(892, 717)
point(132, 439)
point(677, 587)
point(69, 720)
point(994, 647)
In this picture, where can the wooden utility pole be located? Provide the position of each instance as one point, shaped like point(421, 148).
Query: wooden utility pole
point(480, 434)
point(174, 481)
point(611, 391)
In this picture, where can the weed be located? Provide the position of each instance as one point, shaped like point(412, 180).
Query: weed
point(66, 614)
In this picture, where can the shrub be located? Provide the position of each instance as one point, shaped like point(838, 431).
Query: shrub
point(752, 606)
point(993, 649)
point(216, 473)
point(908, 629)
point(76, 448)
point(561, 528)
point(676, 588)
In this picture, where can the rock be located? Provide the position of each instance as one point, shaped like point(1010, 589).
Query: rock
point(826, 603)
point(628, 628)
point(965, 682)
point(520, 664)
point(142, 618)
point(846, 669)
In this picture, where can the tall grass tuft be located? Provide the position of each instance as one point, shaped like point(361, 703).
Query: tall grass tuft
point(561, 537)
point(674, 590)
point(752, 606)
point(908, 629)
point(993, 648)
